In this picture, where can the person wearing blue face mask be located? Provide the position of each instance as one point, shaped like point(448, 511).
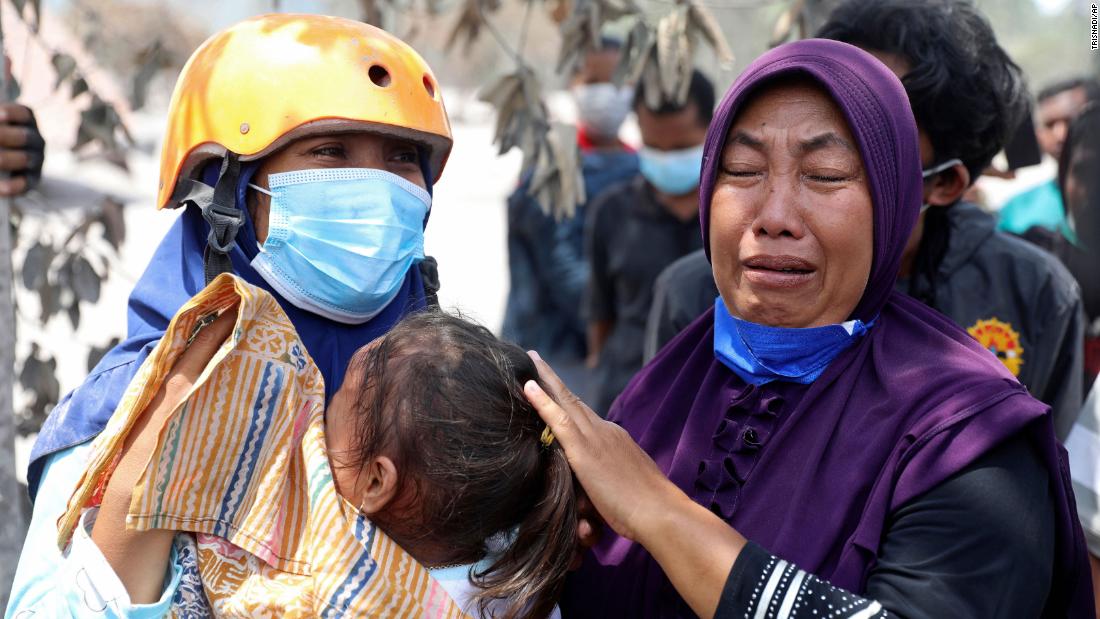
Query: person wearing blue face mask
point(308, 174)
point(637, 228)
point(546, 264)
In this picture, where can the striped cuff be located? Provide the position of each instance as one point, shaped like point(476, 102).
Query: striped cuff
point(762, 586)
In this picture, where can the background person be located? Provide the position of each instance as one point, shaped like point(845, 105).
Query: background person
point(1079, 183)
point(636, 228)
point(546, 264)
point(844, 427)
point(1019, 303)
point(1042, 205)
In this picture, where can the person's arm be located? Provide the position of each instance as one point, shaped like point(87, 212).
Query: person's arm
point(597, 336)
point(683, 292)
point(659, 322)
point(140, 558)
point(22, 149)
point(694, 547)
point(76, 582)
point(1058, 364)
point(599, 297)
point(992, 522)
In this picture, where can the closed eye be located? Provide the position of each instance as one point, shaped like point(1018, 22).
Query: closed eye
point(826, 178)
point(740, 173)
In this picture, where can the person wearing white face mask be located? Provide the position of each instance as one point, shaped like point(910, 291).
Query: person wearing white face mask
point(637, 228)
point(602, 105)
point(547, 268)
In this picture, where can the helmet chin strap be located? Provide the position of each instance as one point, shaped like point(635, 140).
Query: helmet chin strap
point(219, 208)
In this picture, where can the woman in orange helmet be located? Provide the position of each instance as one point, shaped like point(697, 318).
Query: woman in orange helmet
point(303, 150)
point(271, 120)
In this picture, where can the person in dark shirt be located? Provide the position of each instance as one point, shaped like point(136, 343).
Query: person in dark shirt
point(547, 268)
point(1021, 304)
point(1079, 181)
point(636, 228)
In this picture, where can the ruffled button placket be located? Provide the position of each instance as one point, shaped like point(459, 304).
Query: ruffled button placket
point(739, 439)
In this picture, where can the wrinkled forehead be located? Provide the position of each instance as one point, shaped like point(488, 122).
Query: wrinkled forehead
point(876, 109)
point(797, 104)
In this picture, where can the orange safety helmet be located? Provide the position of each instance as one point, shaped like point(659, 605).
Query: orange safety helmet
point(272, 79)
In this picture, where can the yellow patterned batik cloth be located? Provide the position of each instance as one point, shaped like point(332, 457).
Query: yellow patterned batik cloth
point(242, 464)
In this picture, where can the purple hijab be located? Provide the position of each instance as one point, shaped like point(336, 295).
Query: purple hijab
point(812, 472)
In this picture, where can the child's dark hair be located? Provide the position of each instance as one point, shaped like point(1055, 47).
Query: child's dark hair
point(444, 399)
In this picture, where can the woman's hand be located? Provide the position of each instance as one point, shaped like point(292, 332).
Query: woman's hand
point(140, 558)
point(622, 482)
point(695, 548)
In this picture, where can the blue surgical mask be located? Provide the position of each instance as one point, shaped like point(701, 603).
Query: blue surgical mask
point(674, 172)
point(340, 241)
point(760, 354)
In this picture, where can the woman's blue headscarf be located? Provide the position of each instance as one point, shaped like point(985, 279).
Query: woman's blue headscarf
point(174, 275)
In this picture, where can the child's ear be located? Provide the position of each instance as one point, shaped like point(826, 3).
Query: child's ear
point(378, 483)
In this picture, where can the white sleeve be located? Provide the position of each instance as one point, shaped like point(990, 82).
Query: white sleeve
point(1083, 445)
point(77, 582)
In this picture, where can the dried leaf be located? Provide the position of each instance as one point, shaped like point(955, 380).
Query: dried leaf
point(149, 60)
point(79, 87)
point(36, 9)
point(702, 23)
point(785, 24)
point(636, 52)
point(38, 376)
point(467, 27)
point(100, 123)
point(557, 182)
point(651, 80)
point(73, 311)
point(370, 11)
point(49, 297)
point(521, 114)
point(114, 224)
point(36, 265)
point(85, 281)
point(674, 54)
point(64, 65)
point(96, 353)
point(580, 31)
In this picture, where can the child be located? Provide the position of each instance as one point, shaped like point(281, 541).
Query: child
point(429, 487)
point(431, 435)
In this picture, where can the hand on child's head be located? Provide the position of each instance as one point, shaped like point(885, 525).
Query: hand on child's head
point(440, 401)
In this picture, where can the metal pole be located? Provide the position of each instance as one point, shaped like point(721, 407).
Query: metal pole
point(12, 529)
